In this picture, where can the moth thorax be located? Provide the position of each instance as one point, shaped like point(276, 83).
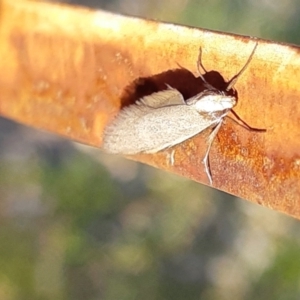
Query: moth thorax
point(213, 102)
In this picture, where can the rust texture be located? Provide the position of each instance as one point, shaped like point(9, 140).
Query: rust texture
point(69, 70)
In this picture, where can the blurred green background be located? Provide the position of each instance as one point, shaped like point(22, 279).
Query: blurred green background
point(78, 224)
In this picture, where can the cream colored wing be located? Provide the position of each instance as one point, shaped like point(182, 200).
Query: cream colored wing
point(162, 98)
point(144, 129)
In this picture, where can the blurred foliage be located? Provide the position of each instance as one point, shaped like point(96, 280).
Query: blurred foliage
point(78, 224)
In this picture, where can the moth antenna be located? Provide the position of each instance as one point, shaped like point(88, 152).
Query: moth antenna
point(199, 61)
point(234, 79)
point(200, 64)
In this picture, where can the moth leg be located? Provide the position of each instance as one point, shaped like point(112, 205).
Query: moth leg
point(172, 158)
point(242, 123)
point(206, 156)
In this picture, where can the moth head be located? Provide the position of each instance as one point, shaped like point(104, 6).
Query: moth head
point(211, 101)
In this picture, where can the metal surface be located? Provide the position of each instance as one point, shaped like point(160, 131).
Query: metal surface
point(69, 71)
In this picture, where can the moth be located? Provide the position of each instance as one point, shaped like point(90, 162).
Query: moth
point(164, 119)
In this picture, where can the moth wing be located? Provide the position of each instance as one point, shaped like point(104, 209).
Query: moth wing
point(154, 131)
point(131, 113)
point(163, 98)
